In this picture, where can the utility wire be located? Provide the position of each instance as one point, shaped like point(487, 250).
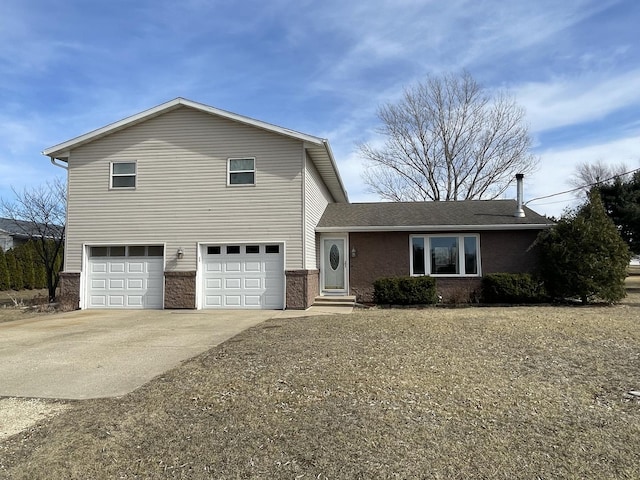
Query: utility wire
point(584, 186)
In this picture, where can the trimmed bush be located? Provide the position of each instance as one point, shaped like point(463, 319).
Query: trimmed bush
point(512, 288)
point(405, 291)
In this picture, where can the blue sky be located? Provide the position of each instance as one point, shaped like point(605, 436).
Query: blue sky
point(320, 67)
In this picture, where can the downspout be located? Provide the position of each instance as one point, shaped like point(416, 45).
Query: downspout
point(66, 224)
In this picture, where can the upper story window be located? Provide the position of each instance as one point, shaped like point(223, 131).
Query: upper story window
point(241, 171)
point(445, 255)
point(123, 174)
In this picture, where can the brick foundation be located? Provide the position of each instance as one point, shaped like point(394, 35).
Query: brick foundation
point(180, 290)
point(69, 285)
point(302, 288)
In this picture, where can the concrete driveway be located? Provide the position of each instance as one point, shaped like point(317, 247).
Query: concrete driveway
point(96, 353)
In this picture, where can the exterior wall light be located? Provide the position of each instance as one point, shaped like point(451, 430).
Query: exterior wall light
point(180, 253)
point(353, 252)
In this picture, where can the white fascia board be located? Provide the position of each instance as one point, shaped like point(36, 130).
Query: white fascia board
point(335, 169)
point(433, 228)
point(57, 151)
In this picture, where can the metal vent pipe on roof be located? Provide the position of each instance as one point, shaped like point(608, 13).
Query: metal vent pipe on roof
point(520, 181)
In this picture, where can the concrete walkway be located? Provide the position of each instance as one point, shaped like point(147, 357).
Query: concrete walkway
point(108, 353)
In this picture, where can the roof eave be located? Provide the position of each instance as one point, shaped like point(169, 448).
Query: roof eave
point(433, 228)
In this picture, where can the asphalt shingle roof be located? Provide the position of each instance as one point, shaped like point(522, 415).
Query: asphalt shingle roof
point(24, 229)
point(428, 214)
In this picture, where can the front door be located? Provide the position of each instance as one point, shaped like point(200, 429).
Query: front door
point(334, 265)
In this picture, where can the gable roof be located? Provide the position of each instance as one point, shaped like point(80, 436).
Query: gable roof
point(318, 148)
point(434, 216)
point(24, 229)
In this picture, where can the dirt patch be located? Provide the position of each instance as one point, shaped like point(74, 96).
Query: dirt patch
point(18, 414)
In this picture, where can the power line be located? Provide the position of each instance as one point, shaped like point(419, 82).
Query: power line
point(584, 186)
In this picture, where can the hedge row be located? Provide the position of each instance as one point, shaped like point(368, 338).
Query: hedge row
point(496, 288)
point(21, 268)
point(512, 288)
point(405, 291)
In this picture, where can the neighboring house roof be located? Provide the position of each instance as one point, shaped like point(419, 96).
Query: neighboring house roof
point(318, 148)
point(434, 216)
point(24, 229)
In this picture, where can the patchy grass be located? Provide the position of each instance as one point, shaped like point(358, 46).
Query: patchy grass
point(524, 392)
point(9, 298)
point(16, 305)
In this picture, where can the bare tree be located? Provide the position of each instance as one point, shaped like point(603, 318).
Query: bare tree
point(39, 213)
point(448, 139)
point(596, 173)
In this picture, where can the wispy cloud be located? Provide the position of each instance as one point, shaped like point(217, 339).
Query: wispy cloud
point(564, 101)
point(320, 67)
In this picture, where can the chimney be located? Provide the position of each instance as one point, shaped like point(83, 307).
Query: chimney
point(520, 211)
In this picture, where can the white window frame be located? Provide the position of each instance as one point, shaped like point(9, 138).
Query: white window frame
point(113, 175)
point(461, 260)
point(229, 172)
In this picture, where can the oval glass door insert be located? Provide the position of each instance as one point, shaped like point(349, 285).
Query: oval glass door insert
point(334, 257)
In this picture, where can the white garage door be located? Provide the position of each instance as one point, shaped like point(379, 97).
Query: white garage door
point(125, 277)
point(243, 276)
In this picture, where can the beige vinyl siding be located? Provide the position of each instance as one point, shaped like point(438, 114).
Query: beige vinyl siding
point(317, 197)
point(181, 195)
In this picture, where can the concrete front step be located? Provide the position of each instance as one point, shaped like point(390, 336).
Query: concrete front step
point(335, 301)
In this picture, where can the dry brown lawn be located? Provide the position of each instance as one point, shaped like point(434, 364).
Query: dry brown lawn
point(521, 392)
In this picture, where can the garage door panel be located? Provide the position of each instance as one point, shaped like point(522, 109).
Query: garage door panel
point(156, 266)
point(253, 267)
point(125, 282)
point(135, 301)
point(116, 267)
point(135, 283)
point(98, 283)
point(252, 283)
point(232, 283)
point(232, 300)
point(98, 300)
point(213, 267)
point(98, 267)
point(271, 282)
point(116, 283)
point(249, 279)
point(252, 300)
point(136, 267)
point(213, 301)
point(273, 301)
point(232, 267)
point(115, 300)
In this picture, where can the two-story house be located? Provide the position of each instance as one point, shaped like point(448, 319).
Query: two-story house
point(189, 206)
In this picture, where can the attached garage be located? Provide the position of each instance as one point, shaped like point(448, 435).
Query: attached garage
point(243, 276)
point(125, 276)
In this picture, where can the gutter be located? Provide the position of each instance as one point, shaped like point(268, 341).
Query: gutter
point(433, 228)
point(53, 162)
